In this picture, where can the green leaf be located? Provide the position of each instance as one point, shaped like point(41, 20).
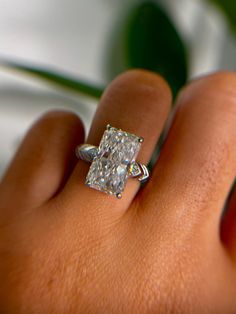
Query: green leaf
point(58, 79)
point(153, 43)
point(229, 9)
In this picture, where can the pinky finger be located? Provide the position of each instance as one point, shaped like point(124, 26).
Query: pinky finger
point(43, 162)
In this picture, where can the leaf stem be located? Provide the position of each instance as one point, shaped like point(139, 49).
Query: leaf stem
point(56, 78)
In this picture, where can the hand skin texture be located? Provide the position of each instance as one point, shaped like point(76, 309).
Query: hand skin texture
point(66, 248)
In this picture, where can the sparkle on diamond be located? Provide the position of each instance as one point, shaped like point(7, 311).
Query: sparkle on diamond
point(109, 169)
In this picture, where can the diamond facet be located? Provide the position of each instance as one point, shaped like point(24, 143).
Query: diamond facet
point(135, 170)
point(109, 170)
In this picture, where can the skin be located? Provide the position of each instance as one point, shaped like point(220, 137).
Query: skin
point(66, 248)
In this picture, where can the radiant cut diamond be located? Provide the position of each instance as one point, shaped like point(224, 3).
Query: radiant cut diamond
point(109, 170)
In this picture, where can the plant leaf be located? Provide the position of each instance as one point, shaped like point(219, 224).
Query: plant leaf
point(229, 9)
point(153, 43)
point(56, 78)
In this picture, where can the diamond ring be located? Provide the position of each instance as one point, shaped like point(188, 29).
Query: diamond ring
point(113, 161)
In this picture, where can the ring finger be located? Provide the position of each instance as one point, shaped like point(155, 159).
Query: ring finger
point(137, 102)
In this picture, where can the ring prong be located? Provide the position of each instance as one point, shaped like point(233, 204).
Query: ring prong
point(118, 195)
point(141, 139)
point(108, 126)
point(88, 183)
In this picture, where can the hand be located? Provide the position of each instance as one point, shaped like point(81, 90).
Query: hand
point(67, 248)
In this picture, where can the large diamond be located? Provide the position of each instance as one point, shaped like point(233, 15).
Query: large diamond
point(109, 170)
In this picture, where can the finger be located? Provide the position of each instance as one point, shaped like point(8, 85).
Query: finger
point(228, 225)
point(137, 102)
point(198, 162)
point(44, 160)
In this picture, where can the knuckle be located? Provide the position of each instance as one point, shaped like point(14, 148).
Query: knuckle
point(143, 76)
point(219, 82)
point(56, 121)
point(223, 81)
point(57, 117)
point(140, 84)
point(222, 87)
point(212, 95)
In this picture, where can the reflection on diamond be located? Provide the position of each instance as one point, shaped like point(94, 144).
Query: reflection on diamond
point(109, 169)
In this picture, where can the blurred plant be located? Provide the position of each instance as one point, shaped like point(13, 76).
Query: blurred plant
point(146, 39)
point(56, 78)
point(229, 9)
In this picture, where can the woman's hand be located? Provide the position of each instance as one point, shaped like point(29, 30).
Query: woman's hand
point(67, 248)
